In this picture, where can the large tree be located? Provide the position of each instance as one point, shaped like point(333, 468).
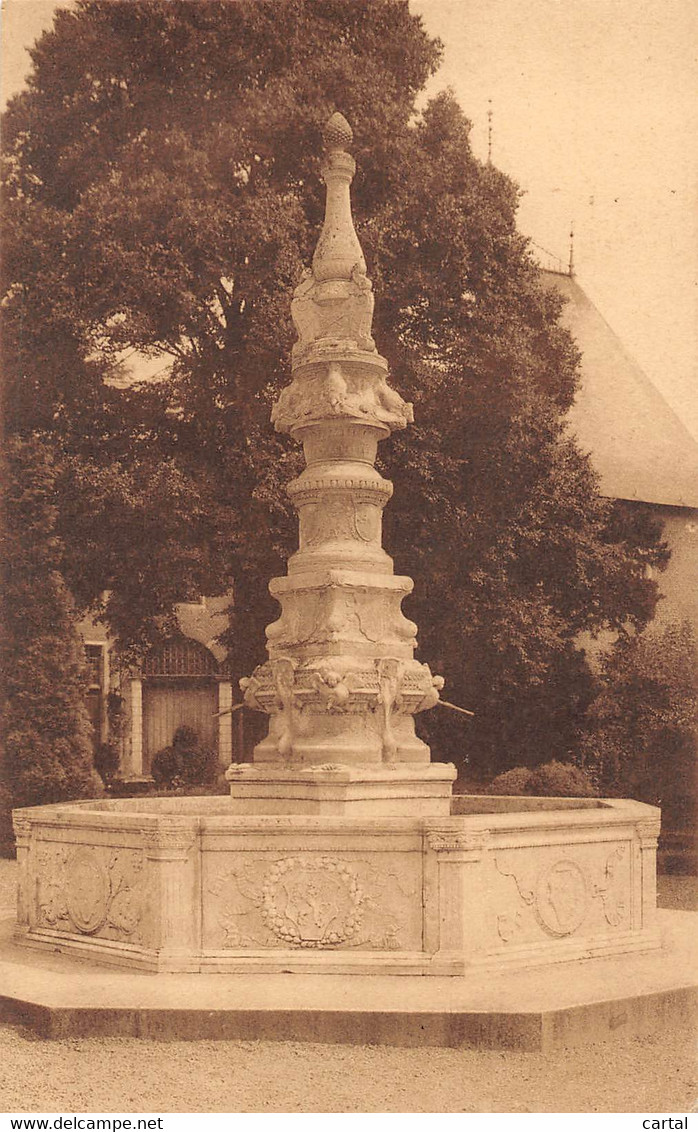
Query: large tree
point(162, 195)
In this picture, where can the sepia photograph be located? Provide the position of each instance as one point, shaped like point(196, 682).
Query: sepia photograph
point(349, 712)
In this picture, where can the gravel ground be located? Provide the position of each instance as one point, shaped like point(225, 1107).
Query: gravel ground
point(678, 892)
point(115, 1075)
point(128, 1075)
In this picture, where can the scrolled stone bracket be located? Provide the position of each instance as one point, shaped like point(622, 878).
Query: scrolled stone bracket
point(611, 889)
point(283, 672)
point(526, 892)
point(390, 679)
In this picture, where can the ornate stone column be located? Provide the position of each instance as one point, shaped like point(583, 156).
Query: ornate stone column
point(173, 900)
point(23, 833)
point(645, 898)
point(453, 920)
point(341, 685)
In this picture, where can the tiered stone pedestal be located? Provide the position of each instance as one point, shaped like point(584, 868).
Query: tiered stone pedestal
point(353, 791)
point(341, 685)
point(208, 885)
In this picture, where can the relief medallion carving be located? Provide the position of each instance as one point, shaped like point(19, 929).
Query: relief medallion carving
point(366, 522)
point(562, 897)
point(87, 891)
point(312, 901)
point(91, 892)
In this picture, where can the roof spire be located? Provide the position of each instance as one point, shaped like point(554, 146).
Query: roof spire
point(570, 267)
point(489, 132)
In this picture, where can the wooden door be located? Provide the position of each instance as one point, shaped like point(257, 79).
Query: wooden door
point(173, 703)
point(93, 703)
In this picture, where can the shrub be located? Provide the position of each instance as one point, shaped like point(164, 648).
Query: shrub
point(106, 760)
point(185, 763)
point(515, 781)
point(562, 780)
point(553, 780)
point(167, 767)
point(203, 767)
point(186, 738)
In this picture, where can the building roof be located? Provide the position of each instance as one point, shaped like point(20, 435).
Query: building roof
point(200, 621)
point(203, 620)
point(638, 445)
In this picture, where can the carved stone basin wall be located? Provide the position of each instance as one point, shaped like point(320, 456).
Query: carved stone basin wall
point(190, 885)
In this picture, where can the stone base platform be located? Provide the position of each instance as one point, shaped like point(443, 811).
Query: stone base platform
point(561, 1005)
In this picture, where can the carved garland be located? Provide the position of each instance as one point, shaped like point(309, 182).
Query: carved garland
point(280, 683)
point(312, 913)
point(308, 901)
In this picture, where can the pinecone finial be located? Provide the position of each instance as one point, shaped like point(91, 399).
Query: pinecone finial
point(337, 133)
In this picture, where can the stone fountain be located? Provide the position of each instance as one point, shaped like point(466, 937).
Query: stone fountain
point(341, 848)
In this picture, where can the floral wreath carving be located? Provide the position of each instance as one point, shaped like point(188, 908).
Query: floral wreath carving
point(331, 930)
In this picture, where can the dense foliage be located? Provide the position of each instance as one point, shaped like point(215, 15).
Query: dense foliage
point(46, 730)
point(644, 721)
point(162, 194)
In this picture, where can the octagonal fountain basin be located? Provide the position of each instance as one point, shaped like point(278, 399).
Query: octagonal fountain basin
point(188, 884)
